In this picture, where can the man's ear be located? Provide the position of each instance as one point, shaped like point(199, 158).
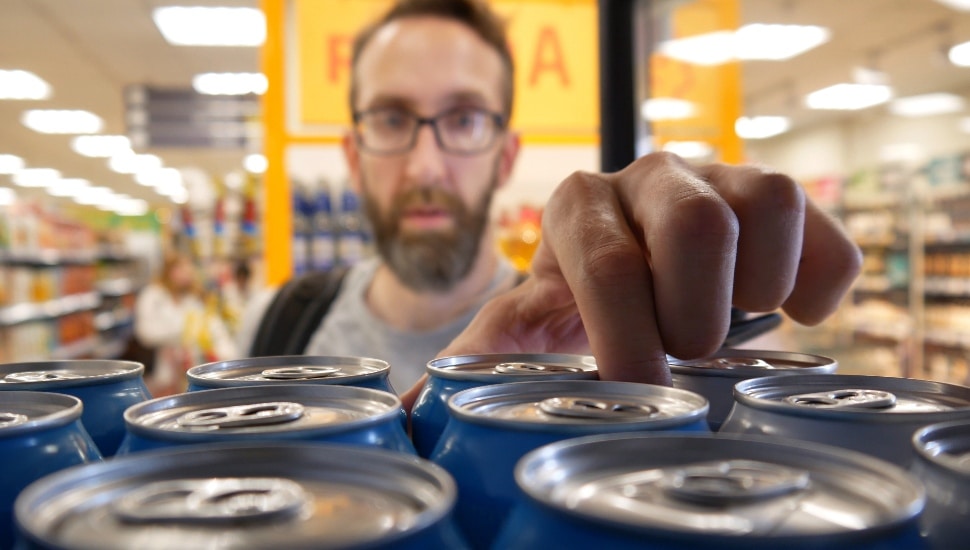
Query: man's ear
point(352, 156)
point(509, 153)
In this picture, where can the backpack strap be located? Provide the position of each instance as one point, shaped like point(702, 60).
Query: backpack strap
point(295, 313)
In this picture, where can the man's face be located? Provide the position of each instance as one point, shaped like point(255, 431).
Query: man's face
point(429, 208)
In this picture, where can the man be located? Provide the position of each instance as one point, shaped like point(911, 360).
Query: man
point(632, 265)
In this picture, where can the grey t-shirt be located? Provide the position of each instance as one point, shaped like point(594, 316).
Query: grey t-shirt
point(350, 329)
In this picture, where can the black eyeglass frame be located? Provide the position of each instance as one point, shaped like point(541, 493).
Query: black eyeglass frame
point(432, 121)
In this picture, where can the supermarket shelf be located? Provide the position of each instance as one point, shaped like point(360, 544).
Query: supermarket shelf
point(82, 348)
point(111, 349)
point(46, 258)
point(117, 287)
point(879, 335)
point(51, 309)
point(107, 320)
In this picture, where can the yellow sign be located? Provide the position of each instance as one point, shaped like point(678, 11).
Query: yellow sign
point(553, 44)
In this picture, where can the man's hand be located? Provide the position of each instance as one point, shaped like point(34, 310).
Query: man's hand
point(648, 261)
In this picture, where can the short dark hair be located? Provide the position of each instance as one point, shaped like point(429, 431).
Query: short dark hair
point(475, 14)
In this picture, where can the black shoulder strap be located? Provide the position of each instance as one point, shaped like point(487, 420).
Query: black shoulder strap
point(295, 313)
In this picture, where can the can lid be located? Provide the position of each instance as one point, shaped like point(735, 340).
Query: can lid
point(269, 408)
point(29, 411)
point(852, 395)
point(47, 375)
point(288, 495)
point(747, 363)
point(576, 404)
point(292, 369)
point(514, 367)
point(706, 487)
point(946, 445)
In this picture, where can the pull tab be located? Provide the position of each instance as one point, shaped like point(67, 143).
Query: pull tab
point(242, 416)
point(533, 368)
point(9, 419)
point(963, 462)
point(41, 376)
point(577, 407)
point(739, 363)
point(845, 399)
point(730, 481)
point(299, 373)
point(212, 501)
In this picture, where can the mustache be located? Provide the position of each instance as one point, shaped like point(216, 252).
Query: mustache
point(427, 196)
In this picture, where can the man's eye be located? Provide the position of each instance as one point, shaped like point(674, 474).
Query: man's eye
point(464, 120)
point(391, 120)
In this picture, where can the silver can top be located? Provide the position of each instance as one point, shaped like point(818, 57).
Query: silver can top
point(235, 412)
point(288, 369)
point(719, 485)
point(23, 412)
point(577, 404)
point(745, 363)
point(287, 495)
point(50, 375)
point(946, 445)
point(851, 396)
point(511, 367)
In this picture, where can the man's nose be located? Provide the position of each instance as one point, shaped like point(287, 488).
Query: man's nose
point(425, 161)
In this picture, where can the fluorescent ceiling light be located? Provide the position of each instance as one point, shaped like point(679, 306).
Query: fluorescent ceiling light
point(36, 177)
point(960, 54)
point(255, 163)
point(100, 146)
point(667, 108)
point(180, 197)
point(210, 26)
point(848, 97)
point(160, 178)
point(758, 41)
point(93, 196)
point(11, 164)
point(689, 149)
point(761, 127)
point(17, 84)
point(130, 163)
point(926, 105)
point(230, 83)
point(959, 5)
point(68, 187)
point(55, 121)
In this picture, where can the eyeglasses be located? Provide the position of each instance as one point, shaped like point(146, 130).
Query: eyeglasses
point(462, 131)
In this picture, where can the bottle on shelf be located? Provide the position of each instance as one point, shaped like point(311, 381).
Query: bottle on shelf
point(324, 241)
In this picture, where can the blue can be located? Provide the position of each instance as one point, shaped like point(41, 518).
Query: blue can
point(943, 465)
point(876, 415)
point(690, 491)
point(450, 375)
point(362, 372)
point(106, 387)
point(278, 412)
point(40, 433)
point(492, 427)
point(279, 496)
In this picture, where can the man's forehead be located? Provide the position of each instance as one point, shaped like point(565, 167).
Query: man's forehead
point(429, 60)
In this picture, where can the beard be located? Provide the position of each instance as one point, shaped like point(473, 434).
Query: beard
point(430, 260)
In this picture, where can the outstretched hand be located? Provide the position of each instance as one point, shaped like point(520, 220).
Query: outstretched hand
point(648, 261)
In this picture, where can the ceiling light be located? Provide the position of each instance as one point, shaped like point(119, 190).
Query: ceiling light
point(960, 54)
point(160, 177)
point(16, 84)
point(36, 177)
point(94, 195)
point(180, 197)
point(761, 127)
point(689, 149)
point(130, 163)
point(210, 26)
point(100, 146)
point(68, 187)
point(848, 97)
point(54, 121)
point(757, 41)
point(926, 105)
point(255, 163)
point(959, 5)
point(230, 83)
point(11, 164)
point(667, 108)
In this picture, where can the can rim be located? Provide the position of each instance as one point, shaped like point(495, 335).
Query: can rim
point(451, 367)
point(822, 454)
point(203, 375)
point(934, 434)
point(123, 370)
point(816, 364)
point(71, 410)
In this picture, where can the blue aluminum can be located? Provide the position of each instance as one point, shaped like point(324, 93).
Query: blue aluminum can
point(714, 377)
point(255, 496)
point(335, 414)
point(362, 372)
point(691, 491)
point(106, 387)
point(492, 427)
point(875, 415)
point(943, 465)
point(450, 375)
point(40, 433)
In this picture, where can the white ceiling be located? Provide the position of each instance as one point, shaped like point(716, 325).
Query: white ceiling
point(90, 50)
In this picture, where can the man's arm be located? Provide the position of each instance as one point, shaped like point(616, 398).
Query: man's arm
point(648, 261)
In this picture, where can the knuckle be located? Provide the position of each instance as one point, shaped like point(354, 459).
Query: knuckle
point(703, 218)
